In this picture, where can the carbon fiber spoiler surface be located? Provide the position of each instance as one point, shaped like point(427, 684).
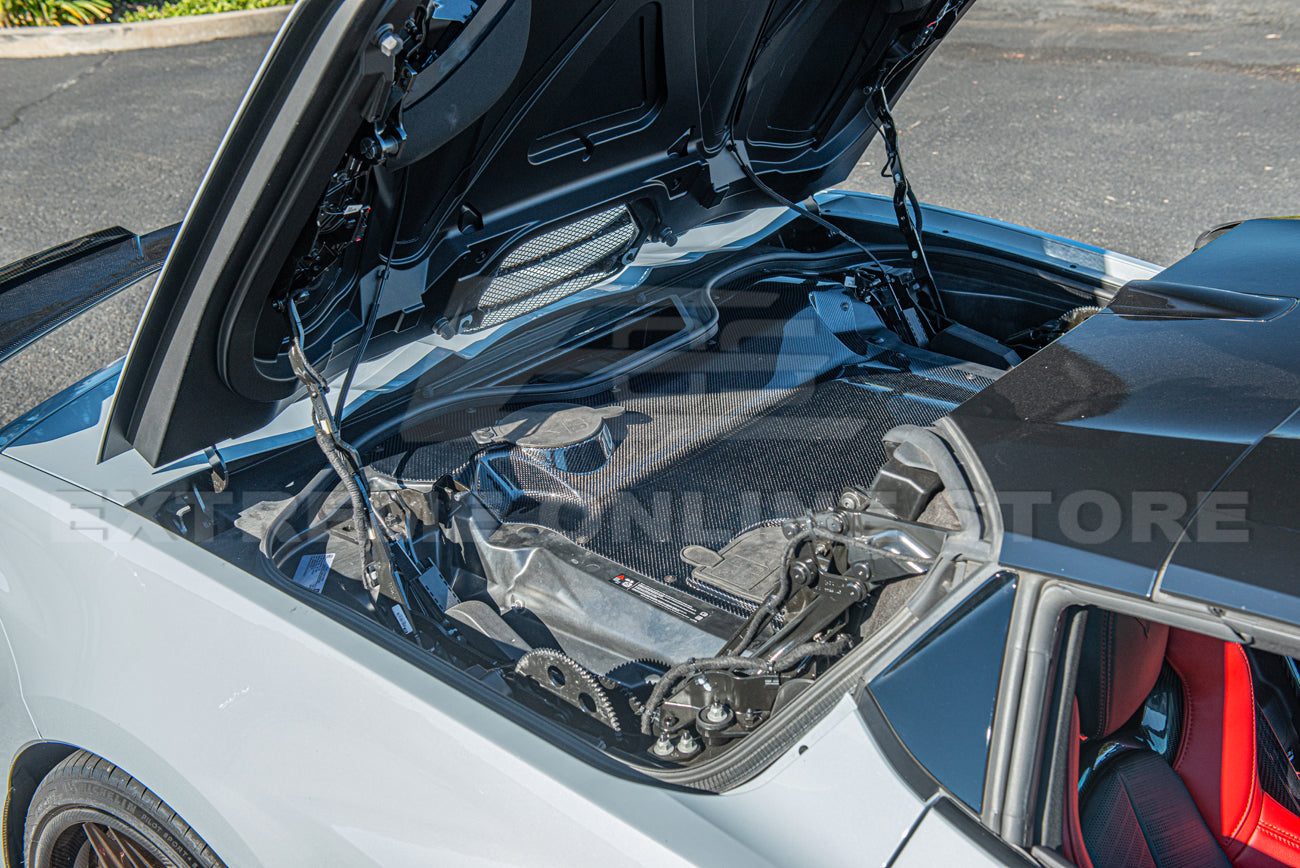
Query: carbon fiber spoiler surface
point(46, 290)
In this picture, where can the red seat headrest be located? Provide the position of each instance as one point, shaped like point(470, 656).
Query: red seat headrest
point(1120, 663)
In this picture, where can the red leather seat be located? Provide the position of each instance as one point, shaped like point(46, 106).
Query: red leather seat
point(1131, 808)
point(1217, 755)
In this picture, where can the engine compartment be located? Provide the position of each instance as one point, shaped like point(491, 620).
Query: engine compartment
point(661, 519)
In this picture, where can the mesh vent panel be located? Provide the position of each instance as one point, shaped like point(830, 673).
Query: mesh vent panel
point(1276, 775)
point(558, 264)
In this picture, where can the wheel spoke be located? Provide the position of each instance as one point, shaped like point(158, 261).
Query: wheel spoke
point(113, 850)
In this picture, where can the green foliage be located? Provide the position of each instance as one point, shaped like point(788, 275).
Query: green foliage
point(42, 13)
point(193, 7)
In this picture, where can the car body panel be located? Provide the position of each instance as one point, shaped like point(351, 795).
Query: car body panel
point(962, 229)
point(44, 291)
point(375, 763)
point(17, 728)
point(1257, 574)
point(944, 837)
point(1131, 411)
point(206, 680)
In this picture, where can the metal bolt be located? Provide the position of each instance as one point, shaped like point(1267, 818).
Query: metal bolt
point(716, 712)
point(663, 747)
point(687, 744)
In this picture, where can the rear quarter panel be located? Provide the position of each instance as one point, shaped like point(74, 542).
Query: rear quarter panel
point(282, 738)
point(285, 739)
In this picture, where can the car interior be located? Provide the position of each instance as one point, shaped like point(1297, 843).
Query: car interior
point(1182, 750)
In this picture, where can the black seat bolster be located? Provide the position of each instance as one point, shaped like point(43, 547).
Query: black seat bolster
point(1138, 812)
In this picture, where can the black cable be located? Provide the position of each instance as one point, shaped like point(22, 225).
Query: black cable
point(794, 206)
point(784, 663)
point(372, 315)
point(692, 667)
point(325, 437)
point(912, 56)
point(775, 600)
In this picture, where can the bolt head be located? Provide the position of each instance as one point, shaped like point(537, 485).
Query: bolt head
point(716, 713)
point(390, 44)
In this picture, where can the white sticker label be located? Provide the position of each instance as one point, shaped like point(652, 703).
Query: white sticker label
point(401, 620)
point(313, 570)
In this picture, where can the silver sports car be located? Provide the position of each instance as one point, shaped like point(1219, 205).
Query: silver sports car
point(522, 460)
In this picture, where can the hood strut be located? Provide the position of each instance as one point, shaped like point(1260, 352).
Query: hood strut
point(906, 206)
point(379, 576)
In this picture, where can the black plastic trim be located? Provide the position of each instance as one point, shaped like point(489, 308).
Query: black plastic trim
point(907, 766)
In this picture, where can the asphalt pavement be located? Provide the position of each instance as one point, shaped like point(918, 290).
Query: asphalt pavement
point(1130, 124)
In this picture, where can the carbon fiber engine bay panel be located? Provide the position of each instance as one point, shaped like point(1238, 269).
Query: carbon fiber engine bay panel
point(649, 522)
point(659, 535)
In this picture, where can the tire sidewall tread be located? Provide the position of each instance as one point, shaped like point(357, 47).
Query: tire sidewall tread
point(84, 783)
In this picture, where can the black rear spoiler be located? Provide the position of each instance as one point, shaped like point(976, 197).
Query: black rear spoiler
point(42, 292)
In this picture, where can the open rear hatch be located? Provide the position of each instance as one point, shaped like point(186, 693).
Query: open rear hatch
point(392, 162)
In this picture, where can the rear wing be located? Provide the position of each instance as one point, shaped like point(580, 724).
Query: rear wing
point(46, 290)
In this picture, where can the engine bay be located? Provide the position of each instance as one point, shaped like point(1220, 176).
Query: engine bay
point(661, 529)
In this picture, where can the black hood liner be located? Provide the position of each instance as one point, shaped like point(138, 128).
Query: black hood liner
point(640, 100)
point(527, 118)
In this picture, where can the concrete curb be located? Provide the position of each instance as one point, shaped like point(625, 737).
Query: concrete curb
point(162, 33)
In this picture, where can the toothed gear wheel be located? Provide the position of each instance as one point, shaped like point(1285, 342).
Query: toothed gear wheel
point(567, 679)
point(635, 672)
point(633, 676)
point(654, 663)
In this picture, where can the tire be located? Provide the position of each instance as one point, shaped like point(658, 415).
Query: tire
point(87, 806)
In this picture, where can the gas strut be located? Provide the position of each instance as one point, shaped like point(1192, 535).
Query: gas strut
point(378, 575)
point(906, 207)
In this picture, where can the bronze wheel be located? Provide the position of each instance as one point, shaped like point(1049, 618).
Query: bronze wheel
point(100, 845)
point(88, 813)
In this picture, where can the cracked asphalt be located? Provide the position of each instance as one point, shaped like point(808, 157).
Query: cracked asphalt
point(96, 140)
point(1130, 124)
